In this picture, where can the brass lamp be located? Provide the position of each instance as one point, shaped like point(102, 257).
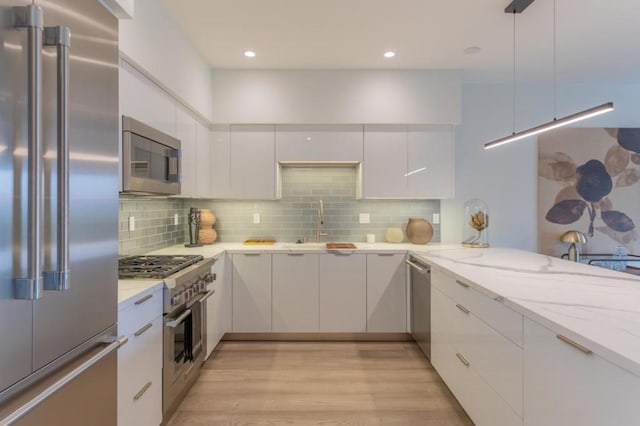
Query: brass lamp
point(573, 237)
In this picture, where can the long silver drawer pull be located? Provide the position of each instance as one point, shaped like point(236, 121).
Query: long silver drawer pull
point(463, 360)
point(578, 346)
point(295, 254)
point(252, 254)
point(176, 322)
point(60, 37)
point(465, 285)
point(419, 268)
point(30, 18)
point(144, 299)
point(142, 330)
point(113, 344)
point(462, 308)
point(386, 254)
point(142, 391)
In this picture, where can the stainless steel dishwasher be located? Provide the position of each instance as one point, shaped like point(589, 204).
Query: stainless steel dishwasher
point(420, 284)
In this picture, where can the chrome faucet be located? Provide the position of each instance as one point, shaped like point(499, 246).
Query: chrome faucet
point(320, 222)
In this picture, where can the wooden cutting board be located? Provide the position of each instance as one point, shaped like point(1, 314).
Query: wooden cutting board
point(259, 242)
point(341, 246)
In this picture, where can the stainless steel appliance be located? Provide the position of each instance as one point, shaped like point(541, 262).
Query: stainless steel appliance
point(150, 159)
point(185, 293)
point(59, 210)
point(420, 283)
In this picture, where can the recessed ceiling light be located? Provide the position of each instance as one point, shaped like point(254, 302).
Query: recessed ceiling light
point(389, 54)
point(472, 50)
point(250, 54)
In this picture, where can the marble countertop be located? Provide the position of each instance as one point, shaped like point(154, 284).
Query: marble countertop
point(596, 307)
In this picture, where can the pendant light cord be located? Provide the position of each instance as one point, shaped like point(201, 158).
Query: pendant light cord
point(514, 72)
point(555, 72)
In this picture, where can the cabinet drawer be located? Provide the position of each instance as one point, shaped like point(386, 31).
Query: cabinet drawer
point(145, 308)
point(495, 314)
point(147, 408)
point(492, 356)
point(140, 358)
point(480, 401)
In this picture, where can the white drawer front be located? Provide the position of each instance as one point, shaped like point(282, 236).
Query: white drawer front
point(141, 312)
point(495, 314)
point(483, 404)
point(495, 358)
point(147, 409)
point(140, 362)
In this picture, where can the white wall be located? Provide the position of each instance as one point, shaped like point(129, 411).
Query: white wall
point(506, 177)
point(336, 96)
point(155, 43)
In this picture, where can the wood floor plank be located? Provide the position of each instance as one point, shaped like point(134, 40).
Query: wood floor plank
point(319, 383)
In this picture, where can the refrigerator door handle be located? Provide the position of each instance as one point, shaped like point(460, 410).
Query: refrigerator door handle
point(30, 18)
point(113, 344)
point(60, 37)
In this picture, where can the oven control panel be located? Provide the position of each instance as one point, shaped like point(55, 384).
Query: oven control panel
point(192, 290)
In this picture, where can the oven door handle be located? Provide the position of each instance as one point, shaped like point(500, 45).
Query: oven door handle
point(207, 295)
point(176, 322)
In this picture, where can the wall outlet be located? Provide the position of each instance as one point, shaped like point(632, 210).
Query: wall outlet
point(435, 219)
point(364, 217)
point(132, 223)
point(256, 218)
point(176, 219)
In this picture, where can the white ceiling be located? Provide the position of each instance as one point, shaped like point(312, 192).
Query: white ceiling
point(597, 40)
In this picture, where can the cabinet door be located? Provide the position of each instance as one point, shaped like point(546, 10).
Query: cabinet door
point(430, 162)
point(203, 178)
point(564, 386)
point(343, 292)
point(319, 143)
point(295, 292)
point(186, 132)
point(253, 162)
point(143, 100)
point(386, 293)
point(385, 162)
point(251, 282)
point(220, 161)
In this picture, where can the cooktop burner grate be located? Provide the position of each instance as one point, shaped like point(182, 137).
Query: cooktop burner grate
point(154, 266)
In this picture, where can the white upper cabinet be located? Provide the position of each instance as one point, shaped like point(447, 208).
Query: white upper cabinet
point(203, 154)
point(145, 101)
point(253, 168)
point(319, 143)
point(219, 170)
point(430, 162)
point(385, 162)
point(408, 162)
point(186, 132)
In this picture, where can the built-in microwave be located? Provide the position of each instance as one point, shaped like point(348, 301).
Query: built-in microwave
point(150, 159)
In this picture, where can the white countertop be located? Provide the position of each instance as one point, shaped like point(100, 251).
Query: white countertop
point(131, 290)
point(596, 307)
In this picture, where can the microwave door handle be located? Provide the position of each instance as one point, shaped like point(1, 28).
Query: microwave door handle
point(30, 18)
point(60, 37)
point(173, 172)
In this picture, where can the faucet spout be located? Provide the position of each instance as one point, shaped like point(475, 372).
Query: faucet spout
point(320, 222)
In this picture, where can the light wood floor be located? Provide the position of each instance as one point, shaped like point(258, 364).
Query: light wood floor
point(319, 383)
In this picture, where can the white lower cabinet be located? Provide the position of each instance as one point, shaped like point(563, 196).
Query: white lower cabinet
point(565, 386)
point(386, 293)
point(140, 362)
point(343, 292)
point(251, 282)
point(218, 305)
point(295, 292)
point(483, 368)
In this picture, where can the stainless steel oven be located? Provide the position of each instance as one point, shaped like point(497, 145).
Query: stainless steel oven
point(150, 159)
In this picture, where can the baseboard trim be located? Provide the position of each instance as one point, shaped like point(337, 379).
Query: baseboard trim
point(328, 337)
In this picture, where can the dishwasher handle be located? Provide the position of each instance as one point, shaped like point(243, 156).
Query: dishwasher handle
point(420, 268)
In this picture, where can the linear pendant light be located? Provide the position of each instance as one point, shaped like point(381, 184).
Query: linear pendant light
point(518, 6)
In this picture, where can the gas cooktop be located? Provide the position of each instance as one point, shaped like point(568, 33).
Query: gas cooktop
point(154, 266)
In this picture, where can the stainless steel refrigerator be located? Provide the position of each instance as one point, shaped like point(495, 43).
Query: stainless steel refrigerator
point(58, 212)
